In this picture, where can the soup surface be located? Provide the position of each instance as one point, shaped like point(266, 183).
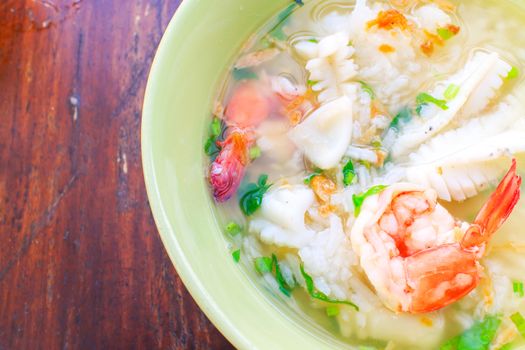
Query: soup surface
point(365, 160)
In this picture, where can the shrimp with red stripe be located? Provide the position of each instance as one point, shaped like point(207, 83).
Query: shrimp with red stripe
point(417, 256)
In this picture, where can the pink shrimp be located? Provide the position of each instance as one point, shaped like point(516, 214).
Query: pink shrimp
point(251, 103)
point(416, 255)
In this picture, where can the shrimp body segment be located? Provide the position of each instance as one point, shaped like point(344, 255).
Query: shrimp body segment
point(416, 255)
point(251, 103)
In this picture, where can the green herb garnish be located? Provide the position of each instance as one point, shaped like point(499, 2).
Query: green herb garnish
point(311, 82)
point(519, 322)
point(263, 265)
point(478, 337)
point(368, 89)
point(233, 229)
point(313, 40)
point(210, 147)
point(236, 255)
point(513, 73)
point(332, 311)
point(216, 133)
point(284, 286)
point(424, 99)
point(518, 288)
point(315, 294)
point(445, 33)
point(252, 195)
point(244, 74)
point(348, 173)
point(255, 152)
point(358, 199)
point(451, 92)
point(403, 117)
point(215, 127)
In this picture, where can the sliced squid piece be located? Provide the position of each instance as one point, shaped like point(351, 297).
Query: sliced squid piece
point(325, 135)
point(330, 65)
point(478, 83)
point(280, 220)
point(463, 162)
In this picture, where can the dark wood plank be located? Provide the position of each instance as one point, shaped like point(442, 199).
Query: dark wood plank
point(81, 263)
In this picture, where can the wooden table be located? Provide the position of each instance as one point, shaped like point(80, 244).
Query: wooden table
point(81, 263)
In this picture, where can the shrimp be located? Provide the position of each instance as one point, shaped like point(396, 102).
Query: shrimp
point(251, 103)
point(418, 257)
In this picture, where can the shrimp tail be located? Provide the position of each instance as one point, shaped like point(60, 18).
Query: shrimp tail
point(495, 211)
point(227, 171)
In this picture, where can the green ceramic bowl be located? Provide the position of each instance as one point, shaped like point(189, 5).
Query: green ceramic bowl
point(198, 46)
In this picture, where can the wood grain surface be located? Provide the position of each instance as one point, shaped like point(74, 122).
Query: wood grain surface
point(81, 263)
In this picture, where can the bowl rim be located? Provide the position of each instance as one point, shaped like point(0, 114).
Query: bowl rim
point(179, 261)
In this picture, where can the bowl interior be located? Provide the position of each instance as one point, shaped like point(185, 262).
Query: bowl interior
point(191, 62)
point(198, 46)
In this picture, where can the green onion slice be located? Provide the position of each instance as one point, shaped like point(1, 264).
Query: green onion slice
point(518, 288)
point(451, 92)
point(233, 229)
point(236, 255)
point(513, 73)
point(348, 173)
point(263, 264)
point(424, 99)
point(519, 322)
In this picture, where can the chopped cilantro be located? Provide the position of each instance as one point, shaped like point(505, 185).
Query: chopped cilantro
point(233, 229)
point(424, 99)
point(348, 173)
point(513, 73)
point(315, 294)
point(518, 288)
point(478, 337)
point(236, 255)
point(244, 74)
point(368, 89)
point(451, 92)
point(358, 199)
point(519, 322)
point(252, 195)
